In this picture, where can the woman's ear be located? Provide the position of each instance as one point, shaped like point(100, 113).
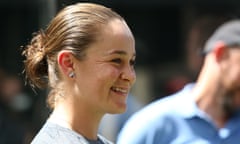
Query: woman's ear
point(65, 61)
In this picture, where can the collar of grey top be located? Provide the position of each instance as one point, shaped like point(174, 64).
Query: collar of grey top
point(98, 141)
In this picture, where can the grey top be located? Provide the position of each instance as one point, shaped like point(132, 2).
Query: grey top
point(52, 133)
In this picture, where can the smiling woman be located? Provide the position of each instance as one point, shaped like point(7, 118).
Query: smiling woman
point(86, 56)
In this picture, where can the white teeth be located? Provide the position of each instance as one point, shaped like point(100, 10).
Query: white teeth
point(119, 89)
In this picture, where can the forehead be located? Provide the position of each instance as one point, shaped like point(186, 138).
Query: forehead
point(116, 29)
point(115, 35)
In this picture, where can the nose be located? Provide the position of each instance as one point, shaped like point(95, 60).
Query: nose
point(128, 74)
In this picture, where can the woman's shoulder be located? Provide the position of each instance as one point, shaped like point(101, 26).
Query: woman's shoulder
point(52, 133)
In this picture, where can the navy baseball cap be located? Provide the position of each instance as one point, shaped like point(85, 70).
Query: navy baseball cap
point(229, 33)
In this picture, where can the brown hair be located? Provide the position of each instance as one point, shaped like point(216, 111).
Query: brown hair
point(74, 28)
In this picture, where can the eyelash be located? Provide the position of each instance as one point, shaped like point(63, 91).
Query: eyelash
point(119, 61)
point(132, 62)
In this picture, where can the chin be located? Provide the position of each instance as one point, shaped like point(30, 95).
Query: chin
point(118, 109)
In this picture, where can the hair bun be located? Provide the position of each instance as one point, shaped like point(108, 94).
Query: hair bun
point(36, 63)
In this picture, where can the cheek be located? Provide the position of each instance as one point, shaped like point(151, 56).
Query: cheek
point(108, 73)
point(107, 77)
point(99, 79)
point(236, 69)
point(232, 74)
point(235, 76)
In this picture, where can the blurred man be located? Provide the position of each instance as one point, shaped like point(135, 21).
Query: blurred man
point(205, 112)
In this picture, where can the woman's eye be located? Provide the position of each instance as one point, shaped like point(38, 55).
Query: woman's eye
point(118, 61)
point(132, 62)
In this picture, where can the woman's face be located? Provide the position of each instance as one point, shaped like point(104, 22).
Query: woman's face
point(105, 76)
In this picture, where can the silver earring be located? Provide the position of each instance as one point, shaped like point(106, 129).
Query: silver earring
point(71, 74)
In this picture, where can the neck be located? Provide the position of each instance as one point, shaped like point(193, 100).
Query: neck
point(79, 119)
point(212, 109)
point(207, 96)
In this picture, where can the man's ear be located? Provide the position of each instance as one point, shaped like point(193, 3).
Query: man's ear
point(65, 61)
point(220, 50)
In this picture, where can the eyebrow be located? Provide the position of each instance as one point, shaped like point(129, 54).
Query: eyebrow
point(120, 52)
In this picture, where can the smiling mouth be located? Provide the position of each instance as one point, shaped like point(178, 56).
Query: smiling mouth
point(120, 90)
